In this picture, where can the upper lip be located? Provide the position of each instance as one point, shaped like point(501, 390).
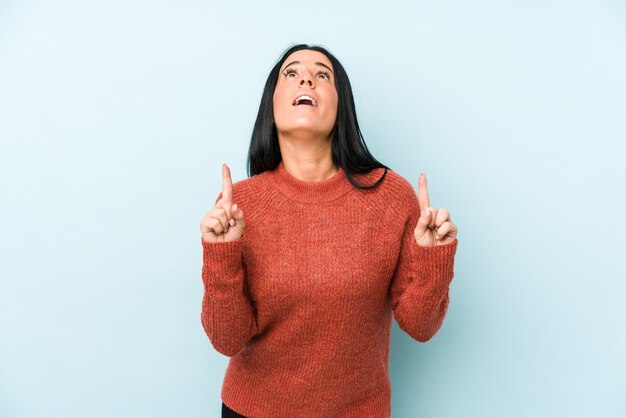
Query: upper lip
point(304, 93)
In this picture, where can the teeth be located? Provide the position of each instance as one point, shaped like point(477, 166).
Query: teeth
point(304, 96)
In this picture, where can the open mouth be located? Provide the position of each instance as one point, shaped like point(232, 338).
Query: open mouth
point(304, 100)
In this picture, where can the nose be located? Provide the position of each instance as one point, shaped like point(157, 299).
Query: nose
point(306, 78)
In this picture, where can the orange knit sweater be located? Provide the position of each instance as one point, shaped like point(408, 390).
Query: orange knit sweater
point(302, 302)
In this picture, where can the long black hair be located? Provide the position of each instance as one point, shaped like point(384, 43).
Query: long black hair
point(348, 147)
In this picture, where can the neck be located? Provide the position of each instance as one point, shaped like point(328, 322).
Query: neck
point(308, 162)
point(325, 190)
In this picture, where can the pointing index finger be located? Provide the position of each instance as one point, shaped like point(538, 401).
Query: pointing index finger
point(422, 193)
point(227, 183)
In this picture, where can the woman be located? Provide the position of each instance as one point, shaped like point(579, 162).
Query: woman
point(304, 261)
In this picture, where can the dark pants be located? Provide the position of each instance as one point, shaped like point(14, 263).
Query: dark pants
point(229, 413)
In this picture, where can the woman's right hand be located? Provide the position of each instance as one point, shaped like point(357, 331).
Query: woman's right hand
point(225, 221)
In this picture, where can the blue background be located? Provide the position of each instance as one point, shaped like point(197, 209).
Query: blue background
point(115, 118)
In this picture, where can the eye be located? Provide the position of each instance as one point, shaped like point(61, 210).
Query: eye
point(289, 71)
point(325, 73)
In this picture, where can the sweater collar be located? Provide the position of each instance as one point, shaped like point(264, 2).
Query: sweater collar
point(310, 191)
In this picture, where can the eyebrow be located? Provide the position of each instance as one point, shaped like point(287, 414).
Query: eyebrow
point(317, 63)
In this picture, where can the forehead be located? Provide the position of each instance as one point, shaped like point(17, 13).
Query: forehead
point(307, 57)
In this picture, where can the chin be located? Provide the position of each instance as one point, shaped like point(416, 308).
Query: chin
point(306, 128)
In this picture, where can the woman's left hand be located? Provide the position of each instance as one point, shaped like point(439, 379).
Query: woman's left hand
point(434, 227)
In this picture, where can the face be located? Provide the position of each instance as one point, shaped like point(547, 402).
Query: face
point(305, 72)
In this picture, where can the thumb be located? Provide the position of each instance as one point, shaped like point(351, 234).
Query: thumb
point(422, 223)
point(237, 212)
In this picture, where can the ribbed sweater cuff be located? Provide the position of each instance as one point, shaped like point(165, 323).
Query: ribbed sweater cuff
point(437, 261)
point(222, 264)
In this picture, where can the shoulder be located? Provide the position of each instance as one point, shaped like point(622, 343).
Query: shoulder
point(250, 185)
point(395, 191)
point(247, 189)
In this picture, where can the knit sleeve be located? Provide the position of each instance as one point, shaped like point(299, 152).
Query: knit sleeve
point(420, 283)
point(227, 316)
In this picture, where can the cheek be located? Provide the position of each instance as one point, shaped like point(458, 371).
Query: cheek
point(333, 106)
point(278, 103)
point(280, 97)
